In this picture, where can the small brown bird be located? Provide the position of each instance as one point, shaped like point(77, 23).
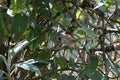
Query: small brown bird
point(67, 39)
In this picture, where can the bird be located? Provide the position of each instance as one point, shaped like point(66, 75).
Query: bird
point(67, 39)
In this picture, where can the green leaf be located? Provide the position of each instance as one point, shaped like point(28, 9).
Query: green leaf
point(89, 46)
point(42, 61)
point(81, 32)
point(44, 7)
point(66, 77)
point(108, 3)
point(4, 23)
point(28, 67)
point(91, 71)
point(71, 62)
point(89, 32)
point(4, 60)
point(44, 55)
point(96, 75)
point(55, 75)
point(93, 63)
point(17, 6)
point(118, 19)
point(62, 62)
point(78, 13)
point(19, 25)
point(36, 32)
point(54, 64)
point(113, 66)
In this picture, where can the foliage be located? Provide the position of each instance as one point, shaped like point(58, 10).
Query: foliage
point(59, 39)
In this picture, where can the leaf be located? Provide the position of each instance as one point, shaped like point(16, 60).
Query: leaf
point(36, 32)
point(28, 67)
point(54, 64)
point(5, 61)
point(96, 75)
point(55, 75)
point(81, 32)
point(2, 24)
point(93, 63)
point(30, 61)
point(119, 4)
point(91, 71)
point(18, 47)
point(101, 3)
point(33, 61)
point(44, 55)
point(78, 14)
point(118, 19)
point(89, 32)
point(113, 66)
point(19, 25)
point(108, 3)
point(42, 61)
point(66, 77)
point(17, 6)
point(62, 62)
point(1, 73)
point(71, 62)
point(4, 21)
point(44, 8)
point(89, 46)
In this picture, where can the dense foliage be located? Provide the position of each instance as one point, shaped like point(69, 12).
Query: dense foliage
point(59, 39)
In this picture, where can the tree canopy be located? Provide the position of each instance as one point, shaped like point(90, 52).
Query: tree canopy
point(59, 40)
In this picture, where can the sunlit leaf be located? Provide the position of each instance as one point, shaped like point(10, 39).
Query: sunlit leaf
point(30, 61)
point(17, 6)
point(108, 3)
point(33, 61)
point(28, 67)
point(118, 19)
point(18, 47)
point(101, 3)
point(81, 32)
point(78, 14)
